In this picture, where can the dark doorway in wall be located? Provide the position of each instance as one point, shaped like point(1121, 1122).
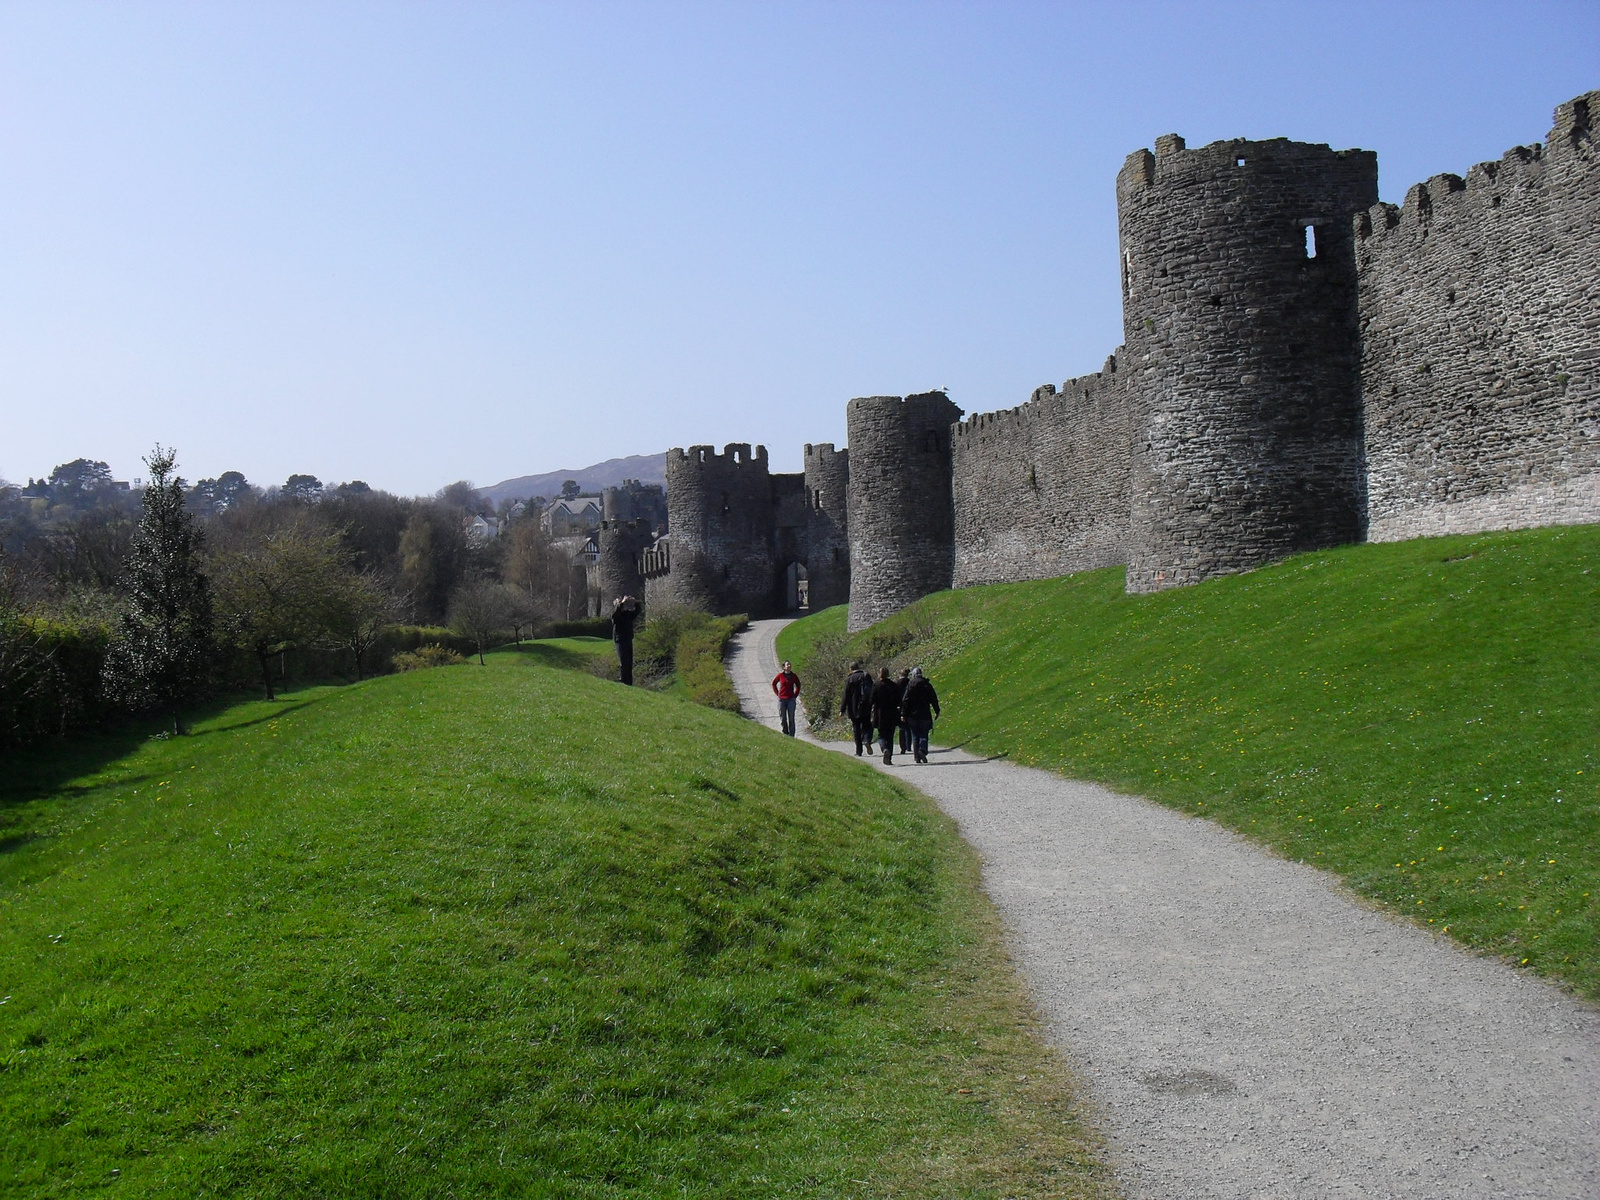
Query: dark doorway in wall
point(796, 587)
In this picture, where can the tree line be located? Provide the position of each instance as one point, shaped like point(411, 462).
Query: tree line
point(173, 589)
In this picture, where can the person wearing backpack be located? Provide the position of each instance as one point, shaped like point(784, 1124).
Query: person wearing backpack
point(856, 703)
point(886, 711)
point(917, 710)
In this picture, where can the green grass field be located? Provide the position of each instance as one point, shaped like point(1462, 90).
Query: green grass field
point(1421, 717)
point(504, 931)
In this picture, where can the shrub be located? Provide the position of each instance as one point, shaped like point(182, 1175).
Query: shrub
point(699, 661)
point(655, 649)
point(583, 627)
point(400, 639)
point(427, 656)
point(50, 676)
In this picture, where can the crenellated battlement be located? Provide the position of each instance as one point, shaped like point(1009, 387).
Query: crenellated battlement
point(1477, 303)
point(1302, 366)
point(820, 454)
point(735, 455)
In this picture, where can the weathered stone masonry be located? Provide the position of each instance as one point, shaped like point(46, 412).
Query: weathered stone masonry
point(1240, 343)
point(1042, 490)
point(1480, 331)
point(902, 537)
point(1302, 367)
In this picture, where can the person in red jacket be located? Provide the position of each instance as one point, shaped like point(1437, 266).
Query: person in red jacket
point(786, 687)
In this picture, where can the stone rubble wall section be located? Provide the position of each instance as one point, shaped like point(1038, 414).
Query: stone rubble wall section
point(1242, 353)
point(1480, 319)
point(617, 564)
point(1392, 373)
point(901, 519)
point(1041, 490)
point(827, 483)
point(720, 514)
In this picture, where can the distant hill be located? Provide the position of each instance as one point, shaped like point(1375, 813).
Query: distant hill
point(646, 468)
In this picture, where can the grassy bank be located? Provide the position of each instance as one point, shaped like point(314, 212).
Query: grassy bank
point(508, 930)
point(1420, 717)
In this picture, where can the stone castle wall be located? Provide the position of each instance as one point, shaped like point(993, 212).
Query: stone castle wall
point(1042, 490)
point(901, 517)
point(740, 536)
point(719, 511)
point(827, 482)
point(1241, 352)
point(1302, 367)
point(1480, 316)
point(617, 563)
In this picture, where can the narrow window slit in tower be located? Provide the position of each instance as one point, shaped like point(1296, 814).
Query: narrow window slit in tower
point(1238, 162)
point(1311, 241)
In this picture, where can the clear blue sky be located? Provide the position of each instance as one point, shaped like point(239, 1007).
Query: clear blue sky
point(416, 242)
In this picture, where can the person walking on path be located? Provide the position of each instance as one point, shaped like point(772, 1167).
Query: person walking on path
point(886, 711)
point(917, 711)
point(905, 732)
point(856, 703)
point(786, 687)
point(624, 612)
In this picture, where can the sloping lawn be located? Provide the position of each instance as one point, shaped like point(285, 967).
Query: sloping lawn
point(504, 931)
point(1421, 717)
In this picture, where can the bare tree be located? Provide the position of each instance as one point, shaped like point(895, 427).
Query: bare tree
point(523, 612)
point(478, 611)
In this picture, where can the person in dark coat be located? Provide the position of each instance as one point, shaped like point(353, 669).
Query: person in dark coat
point(856, 703)
point(886, 711)
point(624, 612)
point(905, 730)
point(917, 710)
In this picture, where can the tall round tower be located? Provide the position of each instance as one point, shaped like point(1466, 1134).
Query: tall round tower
point(827, 525)
point(901, 519)
point(1239, 309)
point(621, 543)
point(719, 511)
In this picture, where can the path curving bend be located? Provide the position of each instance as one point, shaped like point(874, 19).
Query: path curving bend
point(1248, 1030)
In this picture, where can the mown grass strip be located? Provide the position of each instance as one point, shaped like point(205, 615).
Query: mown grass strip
point(1420, 717)
point(505, 930)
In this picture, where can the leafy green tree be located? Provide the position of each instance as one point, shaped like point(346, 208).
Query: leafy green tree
point(164, 650)
point(306, 489)
point(460, 497)
point(434, 556)
point(359, 610)
point(223, 492)
point(80, 477)
point(280, 592)
point(570, 490)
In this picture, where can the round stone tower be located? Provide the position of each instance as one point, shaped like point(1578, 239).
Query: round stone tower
point(719, 509)
point(827, 525)
point(901, 520)
point(621, 543)
point(1239, 309)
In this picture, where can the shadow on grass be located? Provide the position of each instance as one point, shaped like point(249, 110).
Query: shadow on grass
point(47, 769)
point(556, 656)
point(230, 726)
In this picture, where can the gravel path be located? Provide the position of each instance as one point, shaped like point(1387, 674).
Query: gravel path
point(1246, 1027)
